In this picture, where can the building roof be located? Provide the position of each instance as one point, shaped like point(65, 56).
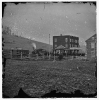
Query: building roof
point(60, 47)
point(66, 35)
point(90, 37)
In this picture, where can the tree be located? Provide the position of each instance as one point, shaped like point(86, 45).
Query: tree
point(6, 30)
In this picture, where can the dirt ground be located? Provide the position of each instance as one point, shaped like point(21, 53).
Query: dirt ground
point(41, 76)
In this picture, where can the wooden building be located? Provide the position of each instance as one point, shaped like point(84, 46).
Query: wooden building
point(91, 47)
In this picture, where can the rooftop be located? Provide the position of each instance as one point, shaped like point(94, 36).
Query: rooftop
point(65, 35)
point(90, 37)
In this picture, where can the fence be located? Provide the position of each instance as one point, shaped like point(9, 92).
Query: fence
point(22, 54)
point(16, 54)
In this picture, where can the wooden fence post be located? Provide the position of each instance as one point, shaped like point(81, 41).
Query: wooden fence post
point(21, 54)
point(54, 55)
point(30, 54)
point(11, 53)
point(37, 56)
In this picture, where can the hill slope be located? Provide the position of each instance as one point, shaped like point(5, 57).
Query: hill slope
point(12, 41)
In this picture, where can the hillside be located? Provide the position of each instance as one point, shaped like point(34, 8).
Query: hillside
point(12, 41)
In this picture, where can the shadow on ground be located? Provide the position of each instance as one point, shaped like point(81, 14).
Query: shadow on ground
point(54, 94)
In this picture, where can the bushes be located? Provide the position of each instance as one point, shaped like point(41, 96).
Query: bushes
point(60, 57)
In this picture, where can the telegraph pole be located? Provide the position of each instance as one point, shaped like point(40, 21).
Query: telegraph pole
point(49, 46)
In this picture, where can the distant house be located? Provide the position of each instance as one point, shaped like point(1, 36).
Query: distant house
point(66, 43)
point(91, 47)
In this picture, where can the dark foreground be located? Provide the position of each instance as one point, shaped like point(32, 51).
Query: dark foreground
point(25, 79)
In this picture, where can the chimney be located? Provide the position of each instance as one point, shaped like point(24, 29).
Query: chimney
point(60, 34)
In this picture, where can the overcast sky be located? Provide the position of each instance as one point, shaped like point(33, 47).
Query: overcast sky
point(38, 20)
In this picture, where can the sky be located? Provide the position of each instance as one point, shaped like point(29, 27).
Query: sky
point(38, 20)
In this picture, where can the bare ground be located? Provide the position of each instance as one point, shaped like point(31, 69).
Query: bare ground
point(39, 77)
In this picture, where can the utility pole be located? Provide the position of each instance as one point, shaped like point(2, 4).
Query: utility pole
point(49, 46)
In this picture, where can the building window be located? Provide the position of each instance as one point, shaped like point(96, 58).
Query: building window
point(76, 41)
point(66, 45)
point(70, 45)
point(66, 39)
point(55, 45)
point(70, 40)
point(92, 53)
point(55, 40)
point(75, 51)
point(92, 45)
